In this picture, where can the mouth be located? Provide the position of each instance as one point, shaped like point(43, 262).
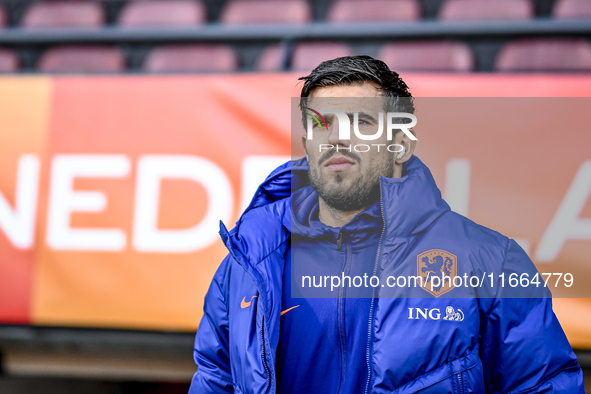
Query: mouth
point(339, 163)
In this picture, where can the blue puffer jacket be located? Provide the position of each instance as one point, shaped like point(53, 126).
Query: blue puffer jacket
point(500, 345)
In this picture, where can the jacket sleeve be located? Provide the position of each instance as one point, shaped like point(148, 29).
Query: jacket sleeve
point(523, 347)
point(211, 352)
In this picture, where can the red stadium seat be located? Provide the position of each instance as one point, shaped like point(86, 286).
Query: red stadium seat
point(8, 61)
point(442, 56)
point(82, 59)
point(486, 9)
point(545, 54)
point(344, 11)
point(271, 58)
point(191, 58)
point(163, 13)
point(572, 9)
point(46, 14)
point(238, 12)
point(3, 17)
point(307, 55)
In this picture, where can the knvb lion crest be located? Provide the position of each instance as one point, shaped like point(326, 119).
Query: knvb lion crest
point(437, 263)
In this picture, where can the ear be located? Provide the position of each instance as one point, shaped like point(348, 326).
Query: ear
point(409, 145)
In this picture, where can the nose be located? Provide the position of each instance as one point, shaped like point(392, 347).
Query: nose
point(334, 135)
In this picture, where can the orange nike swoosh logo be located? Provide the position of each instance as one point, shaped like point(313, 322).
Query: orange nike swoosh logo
point(245, 304)
point(287, 310)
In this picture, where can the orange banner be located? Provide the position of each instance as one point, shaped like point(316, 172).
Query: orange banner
point(112, 188)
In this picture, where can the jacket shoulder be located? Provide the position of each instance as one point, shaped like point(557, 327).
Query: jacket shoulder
point(485, 247)
point(470, 232)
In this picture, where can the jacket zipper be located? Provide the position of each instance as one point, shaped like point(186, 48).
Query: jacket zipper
point(373, 297)
point(460, 383)
point(341, 312)
point(267, 369)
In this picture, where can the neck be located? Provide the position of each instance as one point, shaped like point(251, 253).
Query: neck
point(398, 170)
point(333, 217)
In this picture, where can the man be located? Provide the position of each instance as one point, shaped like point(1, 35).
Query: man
point(345, 212)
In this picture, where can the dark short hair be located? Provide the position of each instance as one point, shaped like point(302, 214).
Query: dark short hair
point(351, 70)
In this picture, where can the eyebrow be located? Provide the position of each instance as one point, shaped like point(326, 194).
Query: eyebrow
point(362, 115)
point(328, 116)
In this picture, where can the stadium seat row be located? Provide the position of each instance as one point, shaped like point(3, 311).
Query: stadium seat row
point(136, 13)
point(534, 54)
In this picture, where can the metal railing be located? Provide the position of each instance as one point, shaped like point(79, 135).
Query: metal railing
point(312, 31)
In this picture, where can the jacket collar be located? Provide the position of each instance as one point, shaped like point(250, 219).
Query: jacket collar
point(409, 204)
point(360, 231)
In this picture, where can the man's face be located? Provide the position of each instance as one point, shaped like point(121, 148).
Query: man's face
point(348, 181)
